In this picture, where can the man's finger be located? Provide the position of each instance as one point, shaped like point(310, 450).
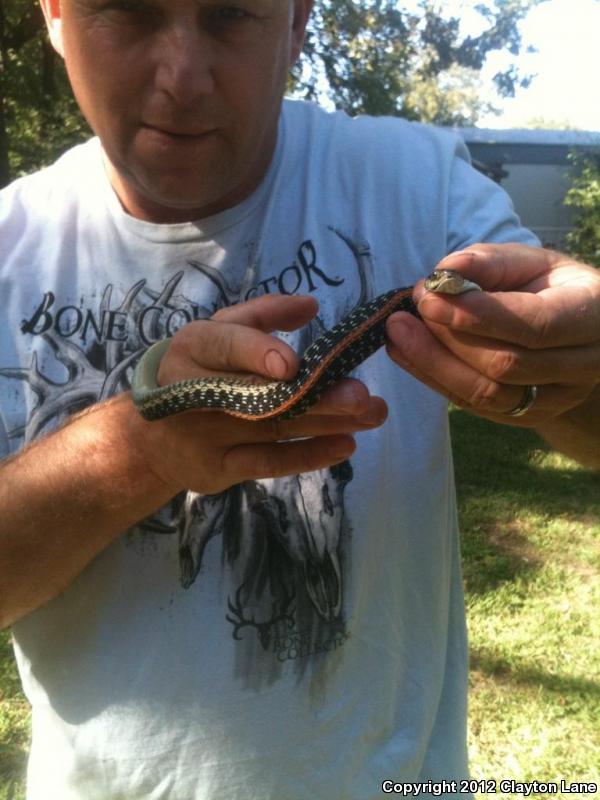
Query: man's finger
point(309, 425)
point(518, 365)
point(503, 267)
point(553, 317)
point(418, 351)
point(348, 396)
point(252, 462)
point(271, 312)
point(210, 347)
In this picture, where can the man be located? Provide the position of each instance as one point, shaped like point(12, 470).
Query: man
point(204, 607)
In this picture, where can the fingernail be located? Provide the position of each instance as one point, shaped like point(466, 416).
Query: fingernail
point(419, 293)
point(374, 416)
point(275, 364)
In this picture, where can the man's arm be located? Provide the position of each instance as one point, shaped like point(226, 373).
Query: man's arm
point(67, 496)
point(537, 322)
point(577, 432)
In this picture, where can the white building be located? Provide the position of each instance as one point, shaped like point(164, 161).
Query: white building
point(534, 168)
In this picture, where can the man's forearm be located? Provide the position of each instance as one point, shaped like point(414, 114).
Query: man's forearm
point(577, 433)
point(65, 498)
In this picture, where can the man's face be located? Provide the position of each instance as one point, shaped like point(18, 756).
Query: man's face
point(184, 94)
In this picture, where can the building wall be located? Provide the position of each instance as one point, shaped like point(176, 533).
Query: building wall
point(534, 168)
point(538, 192)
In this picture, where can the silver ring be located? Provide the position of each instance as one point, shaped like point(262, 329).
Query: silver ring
point(529, 397)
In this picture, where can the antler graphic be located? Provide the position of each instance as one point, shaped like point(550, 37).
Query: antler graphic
point(280, 612)
point(361, 250)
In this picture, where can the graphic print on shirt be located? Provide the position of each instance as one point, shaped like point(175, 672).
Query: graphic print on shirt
point(284, 542)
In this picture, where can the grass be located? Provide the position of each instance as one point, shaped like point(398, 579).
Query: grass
point(14, 726)
point(530, 522)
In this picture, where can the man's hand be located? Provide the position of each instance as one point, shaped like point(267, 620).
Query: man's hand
point(208, 451)
point(537, 322)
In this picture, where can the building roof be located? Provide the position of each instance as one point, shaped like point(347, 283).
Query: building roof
point(515, 146)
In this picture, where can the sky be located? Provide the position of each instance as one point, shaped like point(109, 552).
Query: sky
point(566, 34)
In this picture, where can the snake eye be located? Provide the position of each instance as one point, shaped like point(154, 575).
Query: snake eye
point(435, 279)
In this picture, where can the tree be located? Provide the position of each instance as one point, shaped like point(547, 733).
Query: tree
point(550, 124)
point(38, 115)
point(377, 57)
point(584, 197)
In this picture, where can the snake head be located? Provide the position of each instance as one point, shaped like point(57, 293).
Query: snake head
point(447, 281)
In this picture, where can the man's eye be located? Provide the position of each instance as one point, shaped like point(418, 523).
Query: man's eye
point(230, 13)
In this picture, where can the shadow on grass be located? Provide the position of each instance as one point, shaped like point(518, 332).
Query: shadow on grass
point(501, 480)
point(524, 674)
point(12, 774)
point(501, 461)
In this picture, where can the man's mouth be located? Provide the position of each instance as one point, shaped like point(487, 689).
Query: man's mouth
point(182, 134)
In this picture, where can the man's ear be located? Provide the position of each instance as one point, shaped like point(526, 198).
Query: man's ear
point(53, 17)
point(302, 9)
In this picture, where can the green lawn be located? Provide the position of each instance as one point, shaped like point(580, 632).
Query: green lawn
point(14, 726)
point(530, 523)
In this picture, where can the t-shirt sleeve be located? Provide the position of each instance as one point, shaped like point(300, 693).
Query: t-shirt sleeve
point(4, 444)
point(479, 210)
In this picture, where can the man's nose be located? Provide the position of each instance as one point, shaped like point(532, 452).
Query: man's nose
point(185, 62)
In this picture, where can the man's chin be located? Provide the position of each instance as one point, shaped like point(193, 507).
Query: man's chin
point(157, 193)
point(190, 207)
point(173, 201)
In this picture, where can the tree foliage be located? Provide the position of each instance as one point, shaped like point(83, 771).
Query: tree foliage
point(378, 57)
point(38, 115)
point(584, 197)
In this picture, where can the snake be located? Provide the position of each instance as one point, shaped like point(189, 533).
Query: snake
point(330, 357)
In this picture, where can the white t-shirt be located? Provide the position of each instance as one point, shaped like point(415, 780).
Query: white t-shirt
point(293, 639)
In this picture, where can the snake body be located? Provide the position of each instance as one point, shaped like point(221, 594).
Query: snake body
point(329, 358)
